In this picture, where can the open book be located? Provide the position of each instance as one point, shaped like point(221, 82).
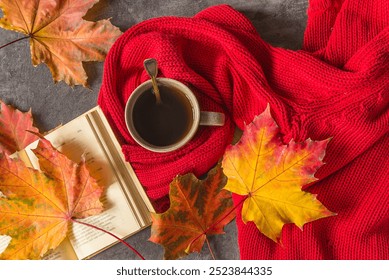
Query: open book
point(127, 208)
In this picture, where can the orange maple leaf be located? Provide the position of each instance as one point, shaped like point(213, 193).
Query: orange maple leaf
point(59, 36)
point(39, 207)
point(271, 175)
point(197, 209)
point(14, 129)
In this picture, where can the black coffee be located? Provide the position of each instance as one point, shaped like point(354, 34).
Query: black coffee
point(162, 124)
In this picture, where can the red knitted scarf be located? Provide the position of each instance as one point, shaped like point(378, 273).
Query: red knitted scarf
point(336, 86)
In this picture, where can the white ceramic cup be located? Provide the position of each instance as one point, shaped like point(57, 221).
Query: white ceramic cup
point(199, 117)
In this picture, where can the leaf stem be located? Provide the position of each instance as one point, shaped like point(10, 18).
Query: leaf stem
point(113, 235)
point(17, 40)
point(210, 249)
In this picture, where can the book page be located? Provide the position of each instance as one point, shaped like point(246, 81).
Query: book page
point(78, 138)
point(4, 241)
point(63, 252)
point(136, 195)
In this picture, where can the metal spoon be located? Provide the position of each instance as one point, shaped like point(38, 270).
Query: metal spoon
point(151, 67)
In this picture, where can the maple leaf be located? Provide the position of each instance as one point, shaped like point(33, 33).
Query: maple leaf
point(15, 129)
point(59, 36)
point(198, 208)
point(271, 175)
point(39, 206)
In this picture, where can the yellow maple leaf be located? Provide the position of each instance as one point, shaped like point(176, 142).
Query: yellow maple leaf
point(271, 175)
point(59, 36)
point(38, 207)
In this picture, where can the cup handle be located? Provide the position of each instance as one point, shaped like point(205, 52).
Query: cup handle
point(212, 118)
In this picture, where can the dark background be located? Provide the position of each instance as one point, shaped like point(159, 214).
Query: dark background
point(280, 22)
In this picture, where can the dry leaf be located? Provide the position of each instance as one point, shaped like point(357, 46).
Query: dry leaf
point(197, 209)
point(39, 206)
point(271, 175)
point(14, 129)
point(59, 36)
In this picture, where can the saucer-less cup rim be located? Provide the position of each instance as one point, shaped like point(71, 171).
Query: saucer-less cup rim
point(143, 88)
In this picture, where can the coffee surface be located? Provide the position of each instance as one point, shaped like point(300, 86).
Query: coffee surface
point(162, 124)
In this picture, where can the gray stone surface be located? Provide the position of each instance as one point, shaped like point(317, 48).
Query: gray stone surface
point(280, 22)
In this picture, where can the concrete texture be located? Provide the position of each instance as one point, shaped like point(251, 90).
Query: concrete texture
point(280, 22)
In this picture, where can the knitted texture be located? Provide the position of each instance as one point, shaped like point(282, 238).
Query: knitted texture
point(337, 86)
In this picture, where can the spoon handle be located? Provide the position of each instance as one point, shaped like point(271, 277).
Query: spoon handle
point(151, 67)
